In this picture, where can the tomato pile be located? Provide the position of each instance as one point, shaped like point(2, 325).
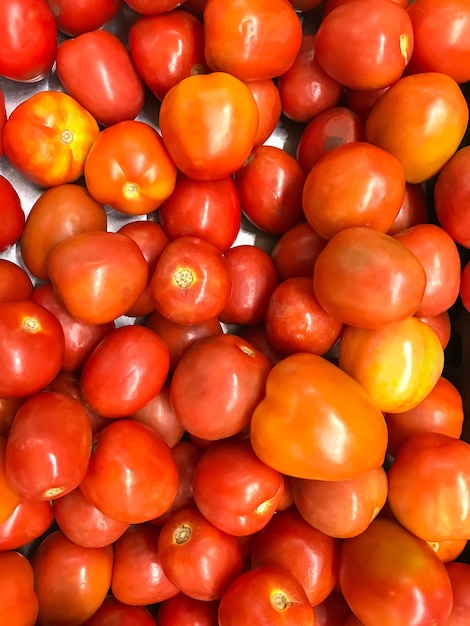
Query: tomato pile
point(234, 274)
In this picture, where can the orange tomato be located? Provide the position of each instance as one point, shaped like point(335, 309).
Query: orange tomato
point(18, 600)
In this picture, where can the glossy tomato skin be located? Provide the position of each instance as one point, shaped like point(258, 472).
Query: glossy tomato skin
point(9, 497)
point(268, 101)
point(96, 69)
point(12, 214)
point(152, 7)
point(15, 282)
point(32, 348)
point(295, 252)
point(129, 492)
point(28, 33)
point(459, 574)
point(113, 612)
point(77, 17)
point(18, 599)
point(413, 210)
point(403, 567)
point(3, 119)
point(291, 427)
point(28, 522)
point(181, 609)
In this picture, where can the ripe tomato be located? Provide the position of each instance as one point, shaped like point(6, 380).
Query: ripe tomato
point(151, 7)
point(112, 91)
point(268, 101)
point(47, 137)
point(18, 599)
point(465, 286)
point(414, 209)
point(441, 325)
point(9, 497)
point(302, 413)
point(28, 35)
point(75, 17)
point(448, 551)
point(209, 123)
point(424, 135)
point(181, 609)
point(3, 119)
point(333, 611)
point(113, 612)
point(295, 252)
point(459, 574)
point(15, 283)
point(11, 214)
point(32, 348)
point(28, 522)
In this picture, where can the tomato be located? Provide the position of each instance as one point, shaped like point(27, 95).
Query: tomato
point(366, 278)
point(32, 348)
point(251, 39)
point(332, 4)
point(8, 408)
point(77, 17)
point(98, 275)
point(166, 48)
point(11, 213)
point(71, 581)
point(302, 413)
point(9, 497)
point(83, 523)
point(361, 101)
point(459, 574)
point(28, 33)
point(15, 283)
point(191, 283)
point(197, 557)
point(180, 610)
point(441, 33)
point(422, 136)
point(209, 123)
point(441, 325)
point(441, 411)
point(401, 582)
point(112, 90)
point(115, 176)
point(18, 599)
point(121, 476)
point(341, 508)
point(267, 594)
point(151, 7)
point(269, 186)
point(268, 101)
point(295, 252)
point(333, 611)
point(355, 184)
point(256, 336)
point(465, 286)
point(413, 210)
point(28, 522)
point(47, 137)
point(113, 612)
point(365, 45)
point(290, 542)
point(448, 551)
point(429, 486)
point(216, 385)
point(3, 119)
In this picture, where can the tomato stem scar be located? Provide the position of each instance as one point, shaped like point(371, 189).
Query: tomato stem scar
point(130, 190)
point(280, 601)
point(182, 534)
point(66, 136)
point(31, 325)
point(53, 492)
point(184, 277)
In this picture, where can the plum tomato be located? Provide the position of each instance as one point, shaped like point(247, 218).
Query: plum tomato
point(11, 214)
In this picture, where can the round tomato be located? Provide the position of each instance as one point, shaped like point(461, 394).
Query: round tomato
point(74, 17)
point(18, 599)
point(11, 214)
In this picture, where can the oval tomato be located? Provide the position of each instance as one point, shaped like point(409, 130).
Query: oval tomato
point(74, 17)
point(11, 213)
point(18, 599)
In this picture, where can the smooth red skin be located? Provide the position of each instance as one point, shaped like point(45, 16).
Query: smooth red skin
point(269, 186)
point(179, 337)
point(441, 33)
point(115, 613)
point(203, 566)
point(296, 322)
point(48, 446)
point(441, 412)
point(29, 520)
point(181, 610)
point(209, 209)
point(413, 211)
point(361, 101)
point(18, 599)
point(166, 48)
point(80, 338)
point(465, 285)
point(295, 252)
point(332, 4)
point(254, 279)
point(152, 7)
point(96, 69)
point(359, 44)
point(15, 282)
point(306, 89)
point(209, 290)
point(268, 100)
point(459, 574)
point(403, 581)
point(121, 476)
point(28, 36)
point(29, 360)
point(328, 129)
point(138, 578)
point(256, 336)
point(3, 119)
point(288, 541)
point(229, 498)
point(213, 411)
point(440, 257)
point(8, 409)
point(11, 212)
point(71, 581)
point(75, 17)
point(159, 415)
point(441, 324)
point(125, 371)
point(333, 611)
point(248, 599)
point(83, 523)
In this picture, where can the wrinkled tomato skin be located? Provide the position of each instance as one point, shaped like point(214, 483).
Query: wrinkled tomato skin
point(29, 521)
point(75, 17)
point(15, 282)
point(18, 599)
point(181, 610)
point(11, 213)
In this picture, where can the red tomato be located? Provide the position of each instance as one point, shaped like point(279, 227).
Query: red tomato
point(28, 35)
point(251, 39)
point(209, 123)
point(113, 612)
point(3, 119)
point(295, 252)
point(268, 101)
point(402, 582)
point(333, 611)
point(197, 557)
point(459, 574)
point(120, 480)
point(414, 209)
point(267, 595)
point(217, 384)
point(191, 283)
point(465, 286)
point(11, 214)
point(98, 275)
point(75, 17)
point(32, 348)
point(9, 497)
point(15, 283)
point(448, 551)
point(49, 446)
point(361, 101)
point(180, 610)
point(129, 169)
point(47, 138)
point(332, 4)
point(256, 336)
point(71, 581)
point(29, 521)
point(8, 409)
point(96, 69)
point(151, 7)
point(441, 325)
point(166, 48)
point(365, 45)
point(18, 599)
